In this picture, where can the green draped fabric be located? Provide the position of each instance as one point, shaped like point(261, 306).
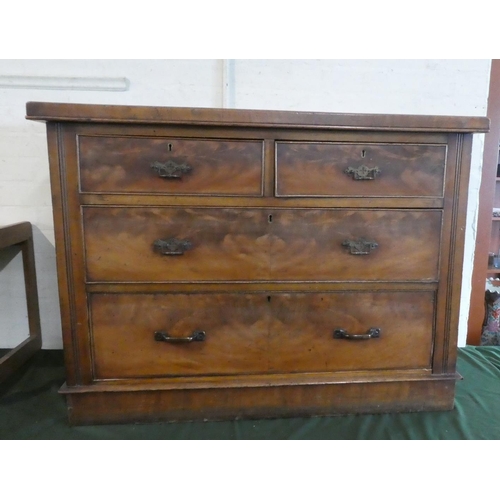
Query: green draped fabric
point(31, 408)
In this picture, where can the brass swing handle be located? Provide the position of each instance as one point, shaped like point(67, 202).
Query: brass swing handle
point(197, 336)
point(171, 246)
point(372, 333)
point(171, 169)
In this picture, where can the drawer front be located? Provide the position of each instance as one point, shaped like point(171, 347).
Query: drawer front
point(255, 244)
point(191, 244)
point(170, 166)
point(345, 170)
point(320, 332)
point(140, 335)
point(356, 245)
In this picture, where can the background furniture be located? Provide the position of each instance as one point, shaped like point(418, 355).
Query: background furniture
point(21, 235)
point(488, 226)
point(233, 263)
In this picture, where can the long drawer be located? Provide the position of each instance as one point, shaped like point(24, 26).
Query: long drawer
point(170, 166)
point(359, 169)
point(155, 244)
point(158, 335)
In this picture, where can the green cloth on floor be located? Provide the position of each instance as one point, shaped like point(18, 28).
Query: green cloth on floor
point(31, 408)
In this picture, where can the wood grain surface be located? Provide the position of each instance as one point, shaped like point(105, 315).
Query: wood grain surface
point(318, 169)
point(123, 165)
point(269, 401)
point(218, 117)
point(259, 333)
point(227, 244)
point(254, 244)
point(308, 245)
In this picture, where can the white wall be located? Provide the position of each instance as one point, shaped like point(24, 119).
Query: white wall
point(448, 87)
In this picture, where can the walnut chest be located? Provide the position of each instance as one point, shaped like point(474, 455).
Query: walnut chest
point(219, 264)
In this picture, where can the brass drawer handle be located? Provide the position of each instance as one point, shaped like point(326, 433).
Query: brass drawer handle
point(197, 336)
point(372, 333)
point(360, 247)
point(170, 169)
point(172, 246)
point(362, 173)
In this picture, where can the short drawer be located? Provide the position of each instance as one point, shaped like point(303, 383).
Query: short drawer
point(360, 170)
point(158, 335)
point(356, 245)
point(175, 244)
point(170, 166)
point(155, 244)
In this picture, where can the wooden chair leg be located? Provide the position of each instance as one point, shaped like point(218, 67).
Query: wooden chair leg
point(21, 235)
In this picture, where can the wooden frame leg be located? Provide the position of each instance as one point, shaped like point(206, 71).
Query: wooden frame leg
point(21, 235)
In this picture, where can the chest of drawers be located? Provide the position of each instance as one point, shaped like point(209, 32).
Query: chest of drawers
point(221, 264)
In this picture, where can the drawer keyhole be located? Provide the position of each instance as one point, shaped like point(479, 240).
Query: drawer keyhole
point(170, 147)
point(269, 298)
point(270, 218)
point(363, 153)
